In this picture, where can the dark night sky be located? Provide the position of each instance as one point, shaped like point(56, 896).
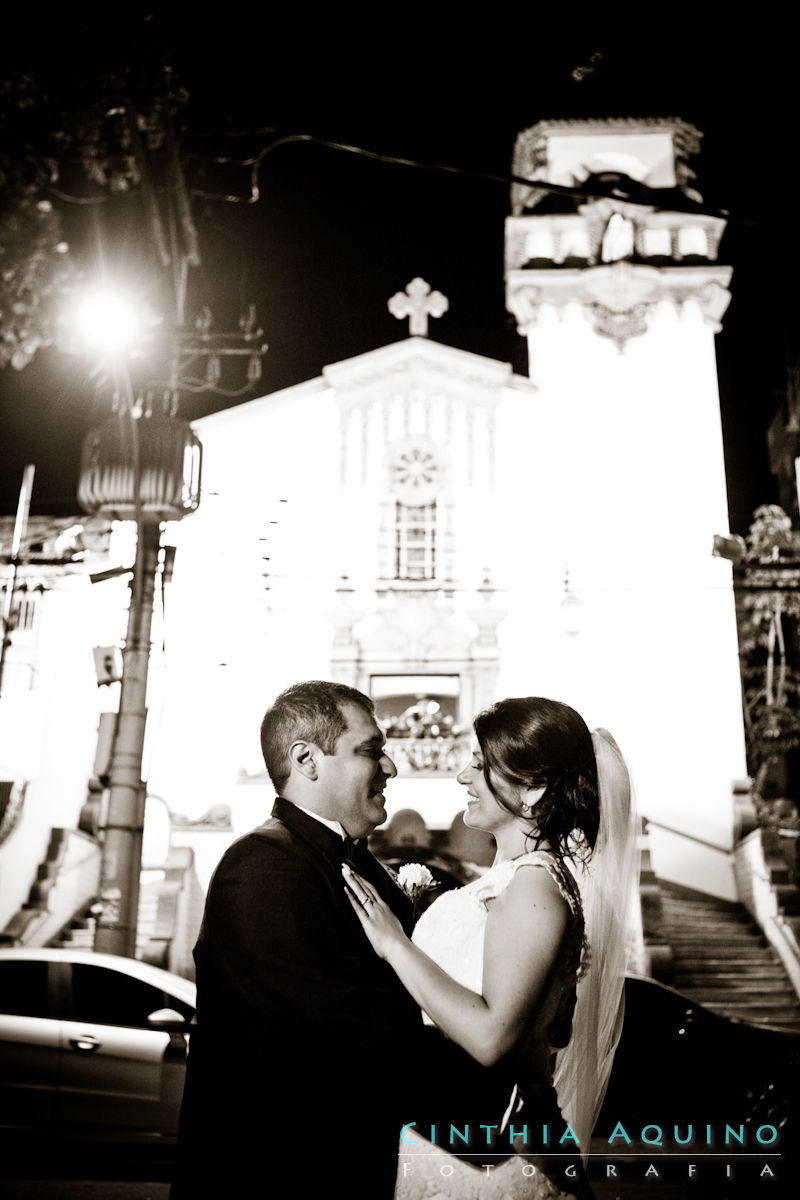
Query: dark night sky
point(334, 235)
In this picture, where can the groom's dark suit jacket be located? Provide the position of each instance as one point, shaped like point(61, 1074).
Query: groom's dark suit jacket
point(306, 1043)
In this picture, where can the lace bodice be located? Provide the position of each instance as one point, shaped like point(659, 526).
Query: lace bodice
point(451, 931)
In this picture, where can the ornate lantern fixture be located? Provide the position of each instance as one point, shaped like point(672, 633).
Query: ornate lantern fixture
point(168, 468)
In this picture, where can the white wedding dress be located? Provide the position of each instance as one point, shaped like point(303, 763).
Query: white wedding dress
point(451, 932)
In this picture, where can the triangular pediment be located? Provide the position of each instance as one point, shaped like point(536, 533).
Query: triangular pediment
point(419, 364)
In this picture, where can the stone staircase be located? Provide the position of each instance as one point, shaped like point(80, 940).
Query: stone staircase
point(80, 933)
point(721, 959)
point(171, 902)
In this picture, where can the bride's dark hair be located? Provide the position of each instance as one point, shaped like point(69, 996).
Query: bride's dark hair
point(534, 742)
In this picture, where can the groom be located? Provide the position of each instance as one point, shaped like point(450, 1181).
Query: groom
point(308, 1054)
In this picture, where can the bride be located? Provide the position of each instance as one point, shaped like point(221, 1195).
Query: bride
point(523, 967)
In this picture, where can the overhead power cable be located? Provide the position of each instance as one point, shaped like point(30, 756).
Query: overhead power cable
point(575, 191)
point(541, 185)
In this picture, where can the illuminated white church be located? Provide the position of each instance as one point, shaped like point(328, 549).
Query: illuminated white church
point(423, 523)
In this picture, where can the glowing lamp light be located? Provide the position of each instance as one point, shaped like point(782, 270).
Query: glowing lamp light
point(108, 322)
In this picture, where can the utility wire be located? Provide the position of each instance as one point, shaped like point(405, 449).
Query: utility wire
point(540, 185)
point(254, 163)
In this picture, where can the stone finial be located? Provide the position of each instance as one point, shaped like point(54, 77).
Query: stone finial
point(418, 303)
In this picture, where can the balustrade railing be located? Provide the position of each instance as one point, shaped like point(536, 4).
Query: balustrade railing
point(444, 754)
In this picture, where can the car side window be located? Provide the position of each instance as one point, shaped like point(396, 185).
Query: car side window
point(23, 989)
point(107, 997)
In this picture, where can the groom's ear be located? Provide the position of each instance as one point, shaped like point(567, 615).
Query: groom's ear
point(303, 758)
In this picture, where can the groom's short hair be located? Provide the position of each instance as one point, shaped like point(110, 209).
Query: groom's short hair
point(309, 712)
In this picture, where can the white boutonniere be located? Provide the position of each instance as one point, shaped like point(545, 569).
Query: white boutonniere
point(415, 879)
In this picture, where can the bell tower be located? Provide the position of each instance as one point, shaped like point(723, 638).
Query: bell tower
point(617, 289)
point(640, 239)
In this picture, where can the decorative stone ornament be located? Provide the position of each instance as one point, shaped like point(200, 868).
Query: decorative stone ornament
point(418, 303)
point(619, 298)
point(416, 470)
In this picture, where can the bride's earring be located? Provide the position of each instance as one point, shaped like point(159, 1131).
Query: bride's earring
point(527, 806)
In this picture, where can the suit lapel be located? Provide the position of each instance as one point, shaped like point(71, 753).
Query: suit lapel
point(377, 875)
point(331, 846)
point(325, 841)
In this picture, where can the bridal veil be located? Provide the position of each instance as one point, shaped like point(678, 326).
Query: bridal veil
point(608, 884)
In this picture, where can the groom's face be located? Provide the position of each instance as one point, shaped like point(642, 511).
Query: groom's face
point(354, 776)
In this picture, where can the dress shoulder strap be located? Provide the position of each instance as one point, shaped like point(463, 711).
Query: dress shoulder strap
point(497, 879)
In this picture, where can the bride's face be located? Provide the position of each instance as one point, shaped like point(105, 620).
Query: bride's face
point(483, 810)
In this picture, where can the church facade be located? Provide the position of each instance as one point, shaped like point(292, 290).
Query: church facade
point(427, 525)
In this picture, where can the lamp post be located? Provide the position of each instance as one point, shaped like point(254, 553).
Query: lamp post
point(139, 464)
point(143, 463)
point(160, 481)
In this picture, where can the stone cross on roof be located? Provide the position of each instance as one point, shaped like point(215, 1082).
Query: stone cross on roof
point(418, 303)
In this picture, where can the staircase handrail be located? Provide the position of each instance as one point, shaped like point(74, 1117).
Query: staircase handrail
point(692, 837)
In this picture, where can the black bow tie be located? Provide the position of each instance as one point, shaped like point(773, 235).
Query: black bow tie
point(352, 848)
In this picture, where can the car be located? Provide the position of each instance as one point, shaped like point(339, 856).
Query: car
point(91, 1045)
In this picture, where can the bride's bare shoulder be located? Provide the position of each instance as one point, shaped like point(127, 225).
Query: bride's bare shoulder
point(533, 886)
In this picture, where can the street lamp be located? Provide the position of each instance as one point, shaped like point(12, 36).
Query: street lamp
point(108, 321)
point(142, 464)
